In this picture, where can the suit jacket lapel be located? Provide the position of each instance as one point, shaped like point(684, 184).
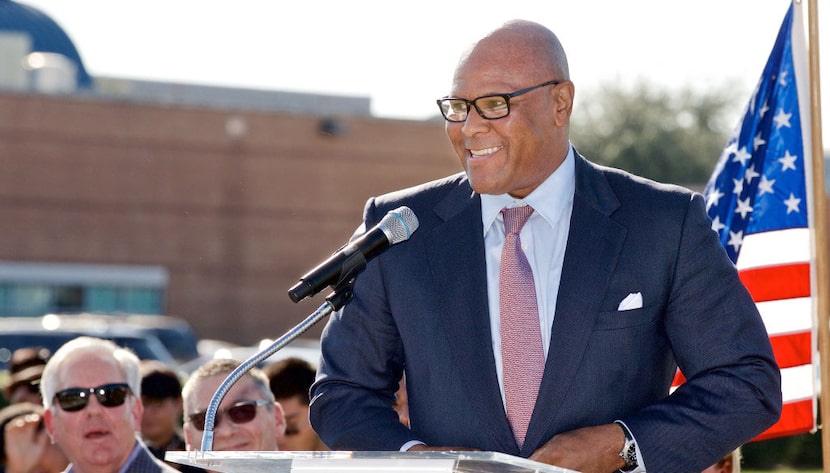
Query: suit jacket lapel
point(144, 462)
point(456, 256)
point(594, 244)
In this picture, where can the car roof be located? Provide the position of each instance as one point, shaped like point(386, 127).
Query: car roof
point(20, 332)
point(175, 333)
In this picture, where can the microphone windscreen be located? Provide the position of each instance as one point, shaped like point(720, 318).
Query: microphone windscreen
point(399, 224)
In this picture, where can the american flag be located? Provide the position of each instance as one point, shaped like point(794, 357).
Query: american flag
point(758, 199)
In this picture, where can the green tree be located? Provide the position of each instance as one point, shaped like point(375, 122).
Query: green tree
point(667, 135)
point(796, 451)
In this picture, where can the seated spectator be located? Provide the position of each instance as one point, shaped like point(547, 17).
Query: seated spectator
point(290, 380)
point(248, 417)
point(402, 402)
point(726, 464)
point(25, 444)
point(92, 394)
point(25, 368)
point(161, 394)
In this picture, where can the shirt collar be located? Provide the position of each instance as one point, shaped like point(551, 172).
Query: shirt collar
point(136, 450)
point(548, 200)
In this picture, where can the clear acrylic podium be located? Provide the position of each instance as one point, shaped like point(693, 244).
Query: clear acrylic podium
point(360, 462)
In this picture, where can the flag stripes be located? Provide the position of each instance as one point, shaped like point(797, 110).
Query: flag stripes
point(759, 201)
point(777, 282)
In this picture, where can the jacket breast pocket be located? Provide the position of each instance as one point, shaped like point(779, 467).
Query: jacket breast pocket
point(622, 319)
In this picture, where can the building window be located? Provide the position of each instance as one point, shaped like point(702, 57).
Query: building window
point(27, 299)
point(68, 298)
point(34, 289)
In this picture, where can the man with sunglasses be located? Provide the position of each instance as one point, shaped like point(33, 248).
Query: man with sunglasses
point(248, 418)
point(606, 281)
point(91, 391)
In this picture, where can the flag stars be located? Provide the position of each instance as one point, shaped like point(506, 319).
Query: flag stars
point(716, 225)
point(739, 186)
point(741, 156)
point(750, 174)
point(787, 161)
point(713, 198)
point(782, 80)
point(765, 186)
point(782, 119)
point(736, 239)
point(792, 204)
point(744, 208)
point(764, 109)
point(758, 185)
point(758, 142)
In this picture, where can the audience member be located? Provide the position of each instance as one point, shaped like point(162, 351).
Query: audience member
point(727, 464)
point(92, 394)
point(25, 444)
point(161, 394)
point(25, 368)
point(248, 417)
point(290, 379)
point(402, 402)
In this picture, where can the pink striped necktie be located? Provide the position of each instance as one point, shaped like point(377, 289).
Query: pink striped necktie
point(523, 359)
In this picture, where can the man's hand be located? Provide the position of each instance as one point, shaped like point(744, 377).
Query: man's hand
point(26, 440)
point(588, 450)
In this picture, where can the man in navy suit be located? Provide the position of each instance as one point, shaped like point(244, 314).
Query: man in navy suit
point(630, 283)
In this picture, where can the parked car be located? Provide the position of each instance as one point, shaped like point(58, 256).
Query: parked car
point(19, 332)
point(174, 333)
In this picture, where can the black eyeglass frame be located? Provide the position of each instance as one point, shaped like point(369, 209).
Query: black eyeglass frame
point(199, 418)
point(104, 394)
point(506, 98)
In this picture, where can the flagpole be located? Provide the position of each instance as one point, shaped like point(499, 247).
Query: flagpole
point(820, 228)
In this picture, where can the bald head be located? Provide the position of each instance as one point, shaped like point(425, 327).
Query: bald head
point(520, 43)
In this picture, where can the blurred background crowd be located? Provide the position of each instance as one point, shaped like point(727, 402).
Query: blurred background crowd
point(179, 371)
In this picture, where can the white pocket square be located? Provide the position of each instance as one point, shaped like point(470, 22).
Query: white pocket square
point(631, 302)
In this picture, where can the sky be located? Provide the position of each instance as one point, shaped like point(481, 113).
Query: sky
point(402, 54)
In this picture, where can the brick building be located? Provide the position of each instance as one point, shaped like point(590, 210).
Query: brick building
point(210, 213)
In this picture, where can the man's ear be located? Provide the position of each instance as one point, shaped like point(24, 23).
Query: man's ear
point(279, 418)
point(48, 423)
point(563, 101)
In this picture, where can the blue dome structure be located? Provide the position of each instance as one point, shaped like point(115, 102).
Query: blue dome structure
point(46, 35)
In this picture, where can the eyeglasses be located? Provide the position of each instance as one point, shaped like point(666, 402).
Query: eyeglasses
point(491, 107)
point(109, 395)
point(239, 413)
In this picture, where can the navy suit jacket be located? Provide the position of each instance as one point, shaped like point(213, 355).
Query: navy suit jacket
point(422, 307)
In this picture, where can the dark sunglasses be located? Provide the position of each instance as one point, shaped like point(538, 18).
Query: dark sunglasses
point(239, 413)
point(109, 395)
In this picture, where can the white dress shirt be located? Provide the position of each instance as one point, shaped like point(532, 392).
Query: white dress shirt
point(544, 238)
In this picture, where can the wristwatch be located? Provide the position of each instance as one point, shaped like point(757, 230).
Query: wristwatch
point(629, 451)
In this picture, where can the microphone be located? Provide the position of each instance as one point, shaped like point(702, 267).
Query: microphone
point(396, 226)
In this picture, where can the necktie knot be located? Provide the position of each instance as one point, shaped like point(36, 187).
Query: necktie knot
point(515, 218)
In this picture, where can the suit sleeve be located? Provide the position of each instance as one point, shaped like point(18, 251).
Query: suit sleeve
point(733, 387)
point(362, 362)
